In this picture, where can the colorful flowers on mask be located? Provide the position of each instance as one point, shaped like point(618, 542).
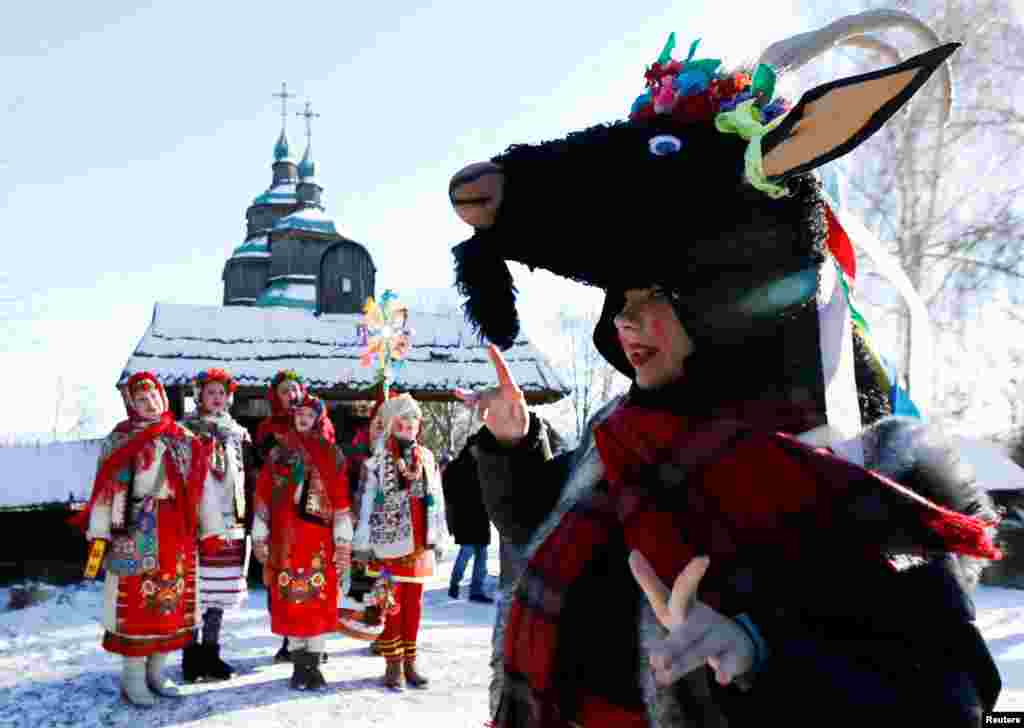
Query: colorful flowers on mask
point(697, 90)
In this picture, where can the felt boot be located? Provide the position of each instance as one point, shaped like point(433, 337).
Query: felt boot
point(393, 675)
point(192, 663)
point(133, 683)
point(283, 654)
point(302, 669)
point(213, 667)
point(317, 681)
point(412, 677)
point(155, 678)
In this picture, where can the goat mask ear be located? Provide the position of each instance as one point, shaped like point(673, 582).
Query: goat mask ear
point(835, 118)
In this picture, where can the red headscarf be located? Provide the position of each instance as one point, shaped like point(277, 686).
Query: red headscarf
point(320, 450)
point(280, 420)
point(106, 483)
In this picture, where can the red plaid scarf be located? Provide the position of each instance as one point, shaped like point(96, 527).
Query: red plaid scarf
point(725, 488)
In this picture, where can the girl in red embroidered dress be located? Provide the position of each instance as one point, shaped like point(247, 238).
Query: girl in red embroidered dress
point(302, 534)
point(286, 390)
point(150, 505)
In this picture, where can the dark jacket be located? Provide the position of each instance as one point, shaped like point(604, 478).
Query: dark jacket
point(849, 641)
point(464, 504)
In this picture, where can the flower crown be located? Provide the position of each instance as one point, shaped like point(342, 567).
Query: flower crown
point(286, 374)
point(314, 403)
point(142, 383)
point(699, 89)
point(215, 375)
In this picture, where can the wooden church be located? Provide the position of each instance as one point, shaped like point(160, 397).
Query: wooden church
point(293, 296)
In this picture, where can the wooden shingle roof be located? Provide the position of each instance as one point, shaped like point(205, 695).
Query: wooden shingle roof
point(254, 343)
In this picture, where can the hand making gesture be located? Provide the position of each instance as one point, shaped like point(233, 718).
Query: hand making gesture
point(697, 634)
point(502, 408)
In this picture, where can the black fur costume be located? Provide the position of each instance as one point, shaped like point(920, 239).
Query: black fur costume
point(744, 271)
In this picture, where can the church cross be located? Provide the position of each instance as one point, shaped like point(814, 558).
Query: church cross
point(309, 115)
point(284, 96)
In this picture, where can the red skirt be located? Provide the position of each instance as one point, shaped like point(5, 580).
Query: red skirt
point(301, 578)
point(155, 611)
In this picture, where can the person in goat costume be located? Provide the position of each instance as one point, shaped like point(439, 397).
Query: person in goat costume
point(813, 563)
point(222, 575)
point(152, 504)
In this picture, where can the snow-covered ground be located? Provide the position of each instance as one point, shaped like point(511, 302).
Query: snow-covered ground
point(54, 673)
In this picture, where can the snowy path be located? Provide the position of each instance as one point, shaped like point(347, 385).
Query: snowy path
point(54, 673)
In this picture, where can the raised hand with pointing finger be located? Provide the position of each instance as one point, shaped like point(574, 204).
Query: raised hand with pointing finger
point(698, 635)
point(503, 408)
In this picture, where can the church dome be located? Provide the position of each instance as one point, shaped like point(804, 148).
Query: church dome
point(282, 152)
point(307, 167)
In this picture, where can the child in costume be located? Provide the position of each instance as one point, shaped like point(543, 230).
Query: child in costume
point(286, 389)
point(302, 534)
point(401, 519)
point(222, 575)
point(730, 519)
point(150, 507)
point(358, 618)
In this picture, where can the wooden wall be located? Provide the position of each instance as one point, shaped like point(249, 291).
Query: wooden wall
point(340, 261)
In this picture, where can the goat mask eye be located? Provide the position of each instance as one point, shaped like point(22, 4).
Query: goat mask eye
point(664, 145)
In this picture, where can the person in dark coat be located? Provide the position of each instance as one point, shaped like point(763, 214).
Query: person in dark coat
point(739, 540)
point(467, 522)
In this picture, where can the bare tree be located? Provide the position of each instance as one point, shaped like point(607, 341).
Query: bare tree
point(593, 381)
point(944, 198)
point(75, 411)
point(446, 425)
point(58, 407)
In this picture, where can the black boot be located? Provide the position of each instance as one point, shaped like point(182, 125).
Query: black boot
point(192, 663)
point(216, 668)
point(283, 655)
point(317, 681)
point(300, 670)
point(306, 673)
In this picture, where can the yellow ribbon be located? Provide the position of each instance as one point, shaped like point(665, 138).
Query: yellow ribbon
point(745, 121)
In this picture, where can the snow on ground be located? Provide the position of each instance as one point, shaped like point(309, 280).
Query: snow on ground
point(54, 673)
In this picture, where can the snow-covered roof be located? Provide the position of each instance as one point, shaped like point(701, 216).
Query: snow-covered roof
point(254, 343)
point(290, 294)
point(253, 248)
point(308, 218)
point(283, 194)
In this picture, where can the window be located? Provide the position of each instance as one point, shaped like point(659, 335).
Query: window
point(346, 285)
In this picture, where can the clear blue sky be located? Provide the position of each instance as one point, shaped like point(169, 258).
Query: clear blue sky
point(134, 136)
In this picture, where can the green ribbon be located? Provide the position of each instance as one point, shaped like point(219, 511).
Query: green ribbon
point(666, 52)
point(693, 49)
point(745, 121)
point(764, 82)
point(854, 313)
